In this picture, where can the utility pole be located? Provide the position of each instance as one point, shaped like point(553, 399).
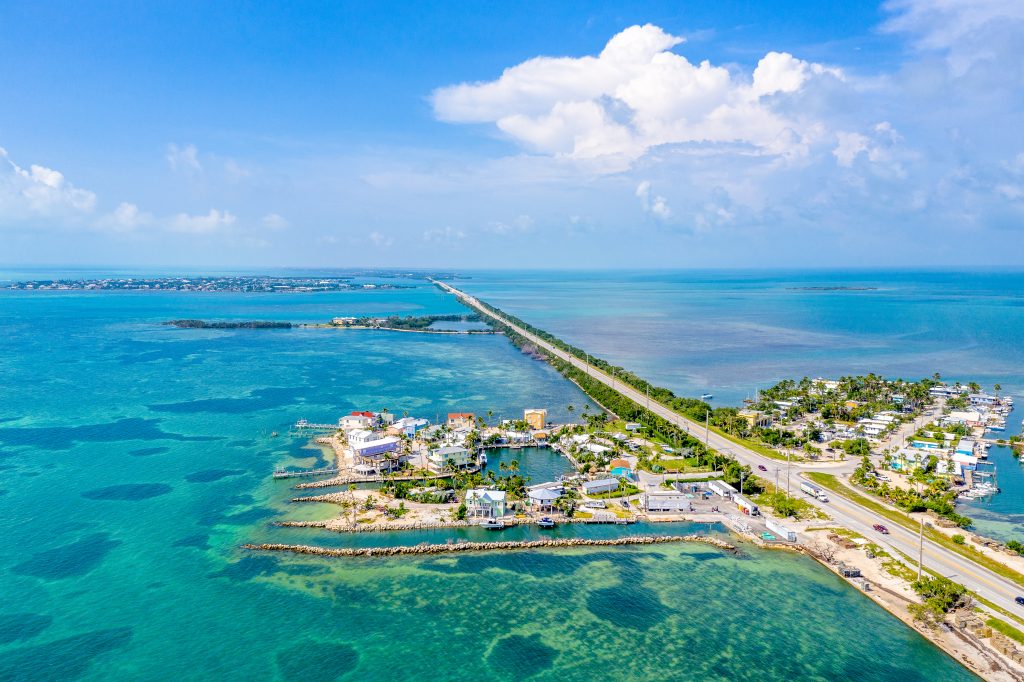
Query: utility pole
point(648, 389)
point(920, 549)
point(776, 479)
point(707, 422)
point(742, 476)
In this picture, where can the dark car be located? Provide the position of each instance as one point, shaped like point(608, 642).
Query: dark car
point(881, 529)
point(1019, 600)
point(762, 467)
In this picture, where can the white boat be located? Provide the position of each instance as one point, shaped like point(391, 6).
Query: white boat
point(483, 458)
point(493, 524)
point(546, 522)
point(706, 396)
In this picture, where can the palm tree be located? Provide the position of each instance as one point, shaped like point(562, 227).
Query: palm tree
point(513, 466)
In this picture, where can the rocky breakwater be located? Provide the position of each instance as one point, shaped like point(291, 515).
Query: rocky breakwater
point(488, 546)
point(344, 527)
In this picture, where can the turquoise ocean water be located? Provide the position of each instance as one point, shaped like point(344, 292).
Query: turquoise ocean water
point(135, 459)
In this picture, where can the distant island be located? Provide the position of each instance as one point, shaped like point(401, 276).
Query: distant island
point(252, 324)
point(245, 284)
point(420, 323)
point(833, 288)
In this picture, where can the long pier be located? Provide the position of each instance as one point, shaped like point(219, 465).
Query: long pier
point(303, 425)
point(303, 473)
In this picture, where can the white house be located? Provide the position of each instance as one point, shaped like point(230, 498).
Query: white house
point(438, 458)
point(483, 503)
point(355, 421)
point(543, 499)
point(361, 436)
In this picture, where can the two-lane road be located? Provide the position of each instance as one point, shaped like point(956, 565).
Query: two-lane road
point(977, 578)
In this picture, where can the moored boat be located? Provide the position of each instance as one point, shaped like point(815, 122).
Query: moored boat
point(492, 524)
point(546, 522)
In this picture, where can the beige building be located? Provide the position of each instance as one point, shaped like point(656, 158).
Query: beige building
point(537, 419)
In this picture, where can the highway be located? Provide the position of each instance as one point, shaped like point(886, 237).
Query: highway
point(849, 514)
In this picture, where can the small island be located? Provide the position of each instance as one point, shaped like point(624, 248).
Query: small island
point(421, 324)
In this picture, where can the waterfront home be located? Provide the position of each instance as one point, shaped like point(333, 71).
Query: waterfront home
point(633, 426)
point(536, 418)
point(621, 467)
point(968, 418)
point(596, 448)
point(461, 420)
point(984, 399)
point(377, 455)
point(407, 426)
point(665, 501)
point(485, 503)
point(543, 499)
point(360, 436)
point(965, 446)
point(580, 438)
point(515, 437)
point(601, 485)
point(540, 436)
point(356, 420)
point(946, 391)
point(384, 418)
point(438, 458)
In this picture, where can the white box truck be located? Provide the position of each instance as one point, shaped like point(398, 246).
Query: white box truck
point(814, 491)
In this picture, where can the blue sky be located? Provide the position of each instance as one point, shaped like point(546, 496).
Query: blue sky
point(673, 134)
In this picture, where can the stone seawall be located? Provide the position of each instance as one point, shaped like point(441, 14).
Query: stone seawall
point(487, 546)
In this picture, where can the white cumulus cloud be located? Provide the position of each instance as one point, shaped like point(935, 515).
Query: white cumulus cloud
point(38, 191)
point(654, 204)
point(445, 235)
point(184, 159)
point(214, 221)
point(274, 221)
point(636, 94)
point(125, 218)
point(380, 240)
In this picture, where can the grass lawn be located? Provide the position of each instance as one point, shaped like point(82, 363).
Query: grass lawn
point(623, 490)
point(681, 465)
point(756, 447)
point(1007, 629)
point(832, 483)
